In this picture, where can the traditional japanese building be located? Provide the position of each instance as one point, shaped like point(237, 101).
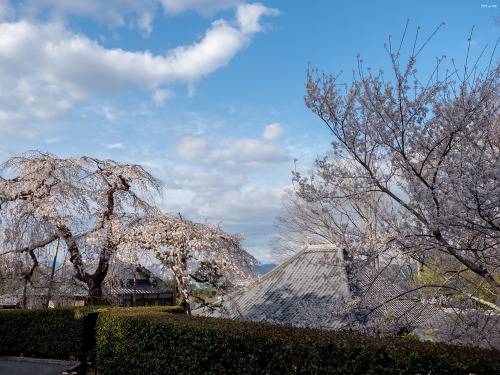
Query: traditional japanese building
point(312, 289)
point(126, 285)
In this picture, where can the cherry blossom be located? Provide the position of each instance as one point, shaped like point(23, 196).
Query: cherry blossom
point(413, 177)
point(101, 210)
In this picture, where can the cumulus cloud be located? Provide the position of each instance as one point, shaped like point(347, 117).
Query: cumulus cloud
point(51, 54)
point(249, 14)
point(220, 176)
point(258, 203)
point(45, 68)
point(215, 197)
point(224, 194)
point(272, 132)
point(253, 154)
point(192, 149)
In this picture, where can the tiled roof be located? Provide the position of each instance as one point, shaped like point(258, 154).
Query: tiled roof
point(302, 290)
point(313, 277)
point(396, 300)
point(140, 288)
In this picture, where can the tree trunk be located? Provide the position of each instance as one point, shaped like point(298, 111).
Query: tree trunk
point(25, 299)
point(183, 299)
point(174, 294)
point(134, 300)
point(95, 290)
point(49, 290)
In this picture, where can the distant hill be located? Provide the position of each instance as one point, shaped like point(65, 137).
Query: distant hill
point(264, 268)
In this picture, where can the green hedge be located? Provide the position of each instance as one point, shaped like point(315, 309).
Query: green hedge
point(44, 333)
point(53, 333)
point(140, 309)
point(151, 343)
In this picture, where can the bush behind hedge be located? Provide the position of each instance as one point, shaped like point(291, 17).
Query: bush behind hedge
point(157, 344)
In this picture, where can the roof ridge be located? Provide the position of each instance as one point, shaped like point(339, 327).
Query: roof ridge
point(307, 249)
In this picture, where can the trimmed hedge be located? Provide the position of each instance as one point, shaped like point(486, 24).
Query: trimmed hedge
point(53, 333)
point(153, 343)
point(79, 310)
point(44, 333)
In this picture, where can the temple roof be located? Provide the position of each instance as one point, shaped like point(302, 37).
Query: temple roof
point(313, 277)
point(305, 289)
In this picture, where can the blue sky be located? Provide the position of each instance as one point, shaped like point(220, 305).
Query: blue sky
point(206, 94)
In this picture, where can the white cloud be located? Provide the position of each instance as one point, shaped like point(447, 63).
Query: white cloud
point(224, 196)
point(216, 197)
point(45, 68)
point(192, 149)
point(238, 209)
point(118, 12)
point(133, 13)
point(245, 154)
point(253, 153)
point(209, 183)
point(115, 146)
point(249, 15)
point(189, 63)
point(191, 90)
point(182, 198)
point(145, 23)
point(114, 13)
point(219, 175)
point(109, 113)
point(238, 205)
point(159, 96)
point(272, 132)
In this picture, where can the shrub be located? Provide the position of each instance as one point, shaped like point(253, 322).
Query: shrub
point(53, 333)
point(153, 343)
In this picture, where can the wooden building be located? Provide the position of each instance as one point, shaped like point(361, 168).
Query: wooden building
point(125, 285)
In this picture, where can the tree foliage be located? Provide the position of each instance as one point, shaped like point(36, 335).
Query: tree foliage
point(192, 251)
point(100, 209)
point(414, 171)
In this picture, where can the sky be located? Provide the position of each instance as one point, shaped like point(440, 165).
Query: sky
point(207, 95)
